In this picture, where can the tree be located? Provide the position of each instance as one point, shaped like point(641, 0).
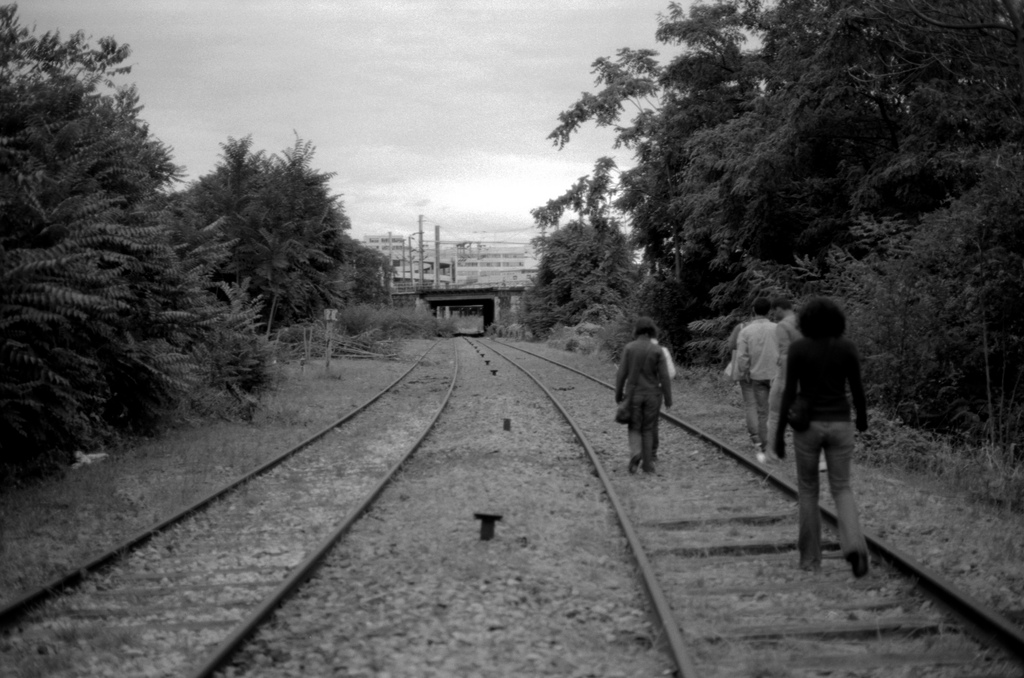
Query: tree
point(96, 311)
point(869, 150)
point(586, 271)
point(285, 228)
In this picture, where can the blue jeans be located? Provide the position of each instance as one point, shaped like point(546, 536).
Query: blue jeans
point(835, 438)
point(643, 427)
point(755, 407)
point(775, 404)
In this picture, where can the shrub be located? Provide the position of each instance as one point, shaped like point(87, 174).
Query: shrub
point(373, 329)
point(613, 337)
point(446, 327)
point(985, 472)
point(98, 312)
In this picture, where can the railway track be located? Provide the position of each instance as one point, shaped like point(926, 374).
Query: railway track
point(185, 593)
point(716, 538)
point(259, 581)
point(415, 590)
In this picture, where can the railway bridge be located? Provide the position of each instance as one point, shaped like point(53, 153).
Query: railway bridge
point(493, 302)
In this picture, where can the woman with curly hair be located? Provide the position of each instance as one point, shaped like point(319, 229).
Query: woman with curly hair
point(820, 366)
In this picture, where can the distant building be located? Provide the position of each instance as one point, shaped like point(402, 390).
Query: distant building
point(460, 262)
point(500, 263)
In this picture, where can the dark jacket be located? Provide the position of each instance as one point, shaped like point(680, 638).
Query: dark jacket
point(821, 369)
point(644, 364)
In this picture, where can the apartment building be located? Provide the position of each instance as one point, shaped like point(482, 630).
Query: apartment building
point(499, 263)
point(475, 262)
point(406, 265)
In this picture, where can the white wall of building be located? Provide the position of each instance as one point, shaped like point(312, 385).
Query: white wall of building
point(475, 262)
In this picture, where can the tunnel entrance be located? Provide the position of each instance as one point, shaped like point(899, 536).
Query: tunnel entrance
point(476, 315)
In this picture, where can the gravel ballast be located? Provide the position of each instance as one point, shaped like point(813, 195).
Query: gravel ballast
point(414, 591)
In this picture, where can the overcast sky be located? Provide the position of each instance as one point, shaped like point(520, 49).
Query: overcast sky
point(439, 108)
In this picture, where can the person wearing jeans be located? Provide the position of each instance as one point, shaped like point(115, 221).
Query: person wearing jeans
point(821, 366)
point(757, 356)
point(835, 439)
point(755, 394)
point(786, 332)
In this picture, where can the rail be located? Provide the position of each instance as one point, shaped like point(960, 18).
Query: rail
point(662, 608)
point(16, 607)
point(988, 623)
point(216, 659)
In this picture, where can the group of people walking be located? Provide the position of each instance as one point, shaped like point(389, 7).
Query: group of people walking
point(777, 357)
point(760, 347)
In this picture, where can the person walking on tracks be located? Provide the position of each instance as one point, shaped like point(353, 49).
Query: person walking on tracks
point(671, 375)
point(820, 366)
point(757, 357)
point(643, 379)
point(786, 332)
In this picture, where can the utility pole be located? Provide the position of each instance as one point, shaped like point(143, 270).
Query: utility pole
point(437, 256)
point(390, 270)
point(421, 250)
point(412, 271)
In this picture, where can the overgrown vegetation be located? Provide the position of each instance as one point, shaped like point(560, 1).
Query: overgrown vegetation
point(870, 151)
point(361, 330)
point(119, 299)
point(586, 270)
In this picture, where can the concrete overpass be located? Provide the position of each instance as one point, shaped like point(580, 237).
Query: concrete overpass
point(496, 301)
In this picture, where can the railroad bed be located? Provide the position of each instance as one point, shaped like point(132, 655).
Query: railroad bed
point(411, 588)
point(721, 541)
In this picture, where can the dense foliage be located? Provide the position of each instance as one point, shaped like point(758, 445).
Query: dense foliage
point(586, 272)
point(871, 150)
point(94, 304)
point(284, 229)
point(119, 299)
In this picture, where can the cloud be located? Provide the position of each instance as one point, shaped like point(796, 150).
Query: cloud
point(416, 105)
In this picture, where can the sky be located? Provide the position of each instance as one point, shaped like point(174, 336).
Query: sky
point(420, 107)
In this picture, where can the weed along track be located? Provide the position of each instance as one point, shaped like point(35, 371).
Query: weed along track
point(161, 603)
point(719, 534)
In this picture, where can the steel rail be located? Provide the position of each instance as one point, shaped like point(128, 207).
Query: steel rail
point(307, 567)
point(662, 610)
point(990, 624)
point(11, 610)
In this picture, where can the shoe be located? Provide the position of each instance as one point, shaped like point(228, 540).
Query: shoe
point(634, 464)
point(761, 458)
point(858, 563)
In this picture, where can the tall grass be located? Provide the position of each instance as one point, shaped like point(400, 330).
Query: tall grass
point(363, 327)
point(984, 472)
point(390, 322)
point(48, 526)
point(605, 341)
point(987, 473)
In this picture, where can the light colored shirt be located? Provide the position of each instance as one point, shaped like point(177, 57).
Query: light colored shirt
point(668, 360)
point(786, 332)
point(757, 350)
